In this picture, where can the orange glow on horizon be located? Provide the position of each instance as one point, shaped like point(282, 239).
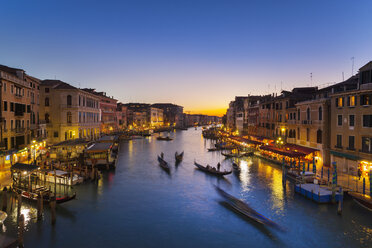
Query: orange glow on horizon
point(214, 112)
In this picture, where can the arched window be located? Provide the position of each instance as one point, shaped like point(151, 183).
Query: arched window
point(69, 117)
point(294, 133)
point(308, 114)
point(299, 114)
point(320, 113)
point(47, 118)
point(319, 136)
point(69, 100)
point(46, 101)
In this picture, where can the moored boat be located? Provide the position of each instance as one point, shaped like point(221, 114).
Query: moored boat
point(231, 155)
point(212, 170)
point(235, 167)
point(178, 157)
point(363, 200)
point(164, 138)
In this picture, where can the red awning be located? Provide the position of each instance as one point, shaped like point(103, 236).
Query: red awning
point(241, 139)
point(301, 149)
point(283, 152)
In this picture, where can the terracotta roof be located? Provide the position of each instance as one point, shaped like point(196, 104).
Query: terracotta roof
point(57, 84)
point(10, 70)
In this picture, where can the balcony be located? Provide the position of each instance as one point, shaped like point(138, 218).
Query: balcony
point(19, 130)
point(307, 122)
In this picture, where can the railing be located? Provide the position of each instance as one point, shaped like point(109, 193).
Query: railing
point(18, 130)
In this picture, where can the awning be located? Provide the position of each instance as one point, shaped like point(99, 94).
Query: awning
point(345, 155)
point(24, 167)
point(74, 142)
point(283, 152)
point(108, 138)
point(99, 147)
point(241, 139)
point(302, 149)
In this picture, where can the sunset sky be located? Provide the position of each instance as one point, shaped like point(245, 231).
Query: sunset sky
point(198, 54)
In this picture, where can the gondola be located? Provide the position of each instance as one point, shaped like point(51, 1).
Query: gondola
point(213, 149)
point(235, 167)
point(232, 155)
point(247, 154)
point(163, 164)
point(178, 157)
point(164, 138)
point(363, 200)
point(212, 170)
point(243, 208)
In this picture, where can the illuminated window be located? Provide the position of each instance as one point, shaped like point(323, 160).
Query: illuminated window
point(352, 101)
point(340, 102)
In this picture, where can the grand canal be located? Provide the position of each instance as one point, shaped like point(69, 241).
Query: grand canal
point(139, 205)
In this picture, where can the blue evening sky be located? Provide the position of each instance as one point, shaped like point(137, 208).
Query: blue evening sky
point(199, 54)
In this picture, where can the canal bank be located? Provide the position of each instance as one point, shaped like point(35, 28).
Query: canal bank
point(139, 205)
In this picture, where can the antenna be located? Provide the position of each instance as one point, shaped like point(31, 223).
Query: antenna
point(311, 79)
point(352, 66)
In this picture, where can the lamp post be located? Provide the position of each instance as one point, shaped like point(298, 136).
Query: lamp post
point(34, 148)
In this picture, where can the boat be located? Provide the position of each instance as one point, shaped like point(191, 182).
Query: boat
point(164, 138)
point(247, 154)
point(163, 164)
point(60, 177)
point(235, 167)
point(178, 157)
point(212, 170)
point(232, 155)
point(3, 216)
point(213, 149)
point(47, 194)
point(363, 200)
point(244, 209)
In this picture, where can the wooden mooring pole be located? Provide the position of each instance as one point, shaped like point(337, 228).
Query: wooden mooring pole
point(5, 200)
point(340, 201)
point(53, 209)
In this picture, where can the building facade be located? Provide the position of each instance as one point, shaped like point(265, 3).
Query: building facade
point(69, 112)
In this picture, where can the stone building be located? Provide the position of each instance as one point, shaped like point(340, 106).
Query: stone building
point(69, 112)
point(172, 113)
point(18, 105)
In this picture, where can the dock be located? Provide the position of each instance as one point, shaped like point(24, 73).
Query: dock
point(316, 193)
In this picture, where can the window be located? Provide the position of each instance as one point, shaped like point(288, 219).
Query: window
point(299, 114)
point(69, 100)
point(351, 101)
point(46, 101)
point(12, 89)
point(55, 134)
point(307, 134)
point(319, 134)
point(5, 106)
point(11, 124)
point(339, 120)
point(308, 114)
point(365, 99)
point(4, 87)
point(339, 102)
point(339, 141)
point(12, 107)
point(298, 133)
point(69, 117)
point(320, 113)
point(47, 118)
point(367, 144)
point(367, 120)
point(351, 120)
point(351, 143)
point(366, 77)
point(46, 90)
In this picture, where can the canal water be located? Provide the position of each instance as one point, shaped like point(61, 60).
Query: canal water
point(140, 205)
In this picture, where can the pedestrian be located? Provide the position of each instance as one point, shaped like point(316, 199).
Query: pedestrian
point(359, 173)
point(218, 166)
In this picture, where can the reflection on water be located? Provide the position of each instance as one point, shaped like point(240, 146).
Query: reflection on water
point(139, 205)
